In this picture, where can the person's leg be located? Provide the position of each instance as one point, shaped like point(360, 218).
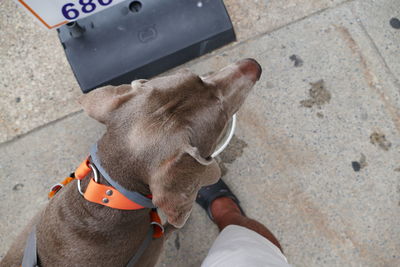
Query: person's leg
point(226, 212)
point(242, 241)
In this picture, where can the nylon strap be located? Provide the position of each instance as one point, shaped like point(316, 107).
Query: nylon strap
point(30, 253)
point(142, 248)
point(132, 195)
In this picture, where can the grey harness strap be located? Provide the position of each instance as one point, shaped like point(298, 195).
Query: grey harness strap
point(142, 248)
point(132, 195)
point(30, 252)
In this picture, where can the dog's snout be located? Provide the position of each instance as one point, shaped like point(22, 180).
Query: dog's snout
point(234, 82)
point(250, 67)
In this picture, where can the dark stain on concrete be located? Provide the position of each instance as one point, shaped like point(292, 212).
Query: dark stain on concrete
point(358, 165)
point(18, 187)
point(231, 153)
point(177, 242)
point(379, 139)
point(298, 62)
point(233, 150)
point(224, 169)
point(319, 95)
point(395, 23)
point(320, 115)
point(397, 169)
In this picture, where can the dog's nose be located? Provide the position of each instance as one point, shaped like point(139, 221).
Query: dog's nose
point(250, 67)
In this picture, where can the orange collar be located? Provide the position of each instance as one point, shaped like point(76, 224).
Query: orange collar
point(106, 195)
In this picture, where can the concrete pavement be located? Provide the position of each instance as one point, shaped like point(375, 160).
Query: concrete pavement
point(316, 153)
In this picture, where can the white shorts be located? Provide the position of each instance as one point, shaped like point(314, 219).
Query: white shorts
point(238, 246)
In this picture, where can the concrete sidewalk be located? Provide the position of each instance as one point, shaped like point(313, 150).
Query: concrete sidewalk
point(316, 153)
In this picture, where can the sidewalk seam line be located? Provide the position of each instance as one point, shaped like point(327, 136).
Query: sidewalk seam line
point(17, 137)
point(377, 51)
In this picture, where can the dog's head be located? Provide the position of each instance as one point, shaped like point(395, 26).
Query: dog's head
point(167, 128)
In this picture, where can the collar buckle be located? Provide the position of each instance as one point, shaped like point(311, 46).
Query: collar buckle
point(95, 177)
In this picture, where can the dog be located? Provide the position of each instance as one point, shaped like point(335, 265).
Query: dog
point(159, 136)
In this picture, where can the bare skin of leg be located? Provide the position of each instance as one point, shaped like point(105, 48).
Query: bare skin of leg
point(226, 212)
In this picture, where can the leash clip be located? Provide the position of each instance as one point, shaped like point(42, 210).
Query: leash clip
point(96, 178)
point(56, 187)
point(159, 225)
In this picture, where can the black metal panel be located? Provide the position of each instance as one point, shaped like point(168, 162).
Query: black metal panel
point(116, 46)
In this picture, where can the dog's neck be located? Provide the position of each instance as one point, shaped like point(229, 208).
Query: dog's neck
point(118, 163)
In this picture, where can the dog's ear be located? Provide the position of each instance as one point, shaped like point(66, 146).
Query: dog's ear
point(100, 102)
point(176, 183)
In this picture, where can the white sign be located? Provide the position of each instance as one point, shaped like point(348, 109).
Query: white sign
point(54, 13)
